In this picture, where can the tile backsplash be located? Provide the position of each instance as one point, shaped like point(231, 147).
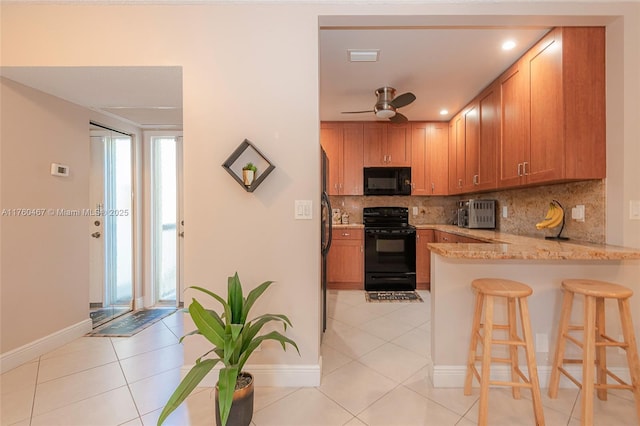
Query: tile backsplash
point(525, 207)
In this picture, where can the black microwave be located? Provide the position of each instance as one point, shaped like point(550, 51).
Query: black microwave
point(387, 181)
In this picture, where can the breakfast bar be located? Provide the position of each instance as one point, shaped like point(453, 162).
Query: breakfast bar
point(541, 264)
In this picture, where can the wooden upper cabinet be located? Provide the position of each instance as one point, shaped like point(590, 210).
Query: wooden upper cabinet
point(437, 155)
point(352, 159)
point(514, 122)
point(429, 161)
point(387, 144)
point(471, 162)
point(545, 161)
point(568, 138)
point(331, 141)
point(419, 172)
point(343, 143)
point(489, 136)
point(456, 154)
point(555, 94)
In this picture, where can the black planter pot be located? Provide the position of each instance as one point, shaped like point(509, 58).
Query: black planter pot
point(242, 407)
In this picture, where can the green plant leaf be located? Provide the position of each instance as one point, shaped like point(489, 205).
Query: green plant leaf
point(252, 297)
point(186, 386)
point(225, 305)
point(253, 328)
point(226, 386)
point(235, 299)
point(207, 325)
point(274, 335)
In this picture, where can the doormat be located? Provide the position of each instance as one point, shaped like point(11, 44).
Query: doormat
point(392, 296)
point(132, 323)
point(102, 315)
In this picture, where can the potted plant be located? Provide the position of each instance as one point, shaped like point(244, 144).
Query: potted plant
point(233, 338)
point(249, 173)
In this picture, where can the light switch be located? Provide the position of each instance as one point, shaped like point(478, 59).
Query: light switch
point(303, 209)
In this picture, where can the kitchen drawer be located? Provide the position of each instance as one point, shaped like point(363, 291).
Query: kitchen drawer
point(445, 237)
point(348, 234)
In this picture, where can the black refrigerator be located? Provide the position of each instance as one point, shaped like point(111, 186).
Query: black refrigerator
point(325, 234)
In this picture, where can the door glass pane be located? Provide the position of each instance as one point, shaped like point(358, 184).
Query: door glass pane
point(118, 221)
point(164, 181)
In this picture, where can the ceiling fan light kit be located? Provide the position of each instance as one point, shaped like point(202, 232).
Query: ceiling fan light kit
point(387, 104)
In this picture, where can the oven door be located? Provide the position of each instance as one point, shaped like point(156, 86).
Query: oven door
point(390, 259)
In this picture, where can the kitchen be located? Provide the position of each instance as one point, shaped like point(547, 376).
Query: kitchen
point(516, 249)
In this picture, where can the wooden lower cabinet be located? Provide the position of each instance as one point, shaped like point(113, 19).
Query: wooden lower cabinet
point(423, 258)
point(448, 237)
point(345, 262)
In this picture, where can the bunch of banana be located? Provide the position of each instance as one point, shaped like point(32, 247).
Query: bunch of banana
point(554, 217)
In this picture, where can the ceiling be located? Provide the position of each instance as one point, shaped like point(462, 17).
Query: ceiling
point(445, 67)
point(147, 97)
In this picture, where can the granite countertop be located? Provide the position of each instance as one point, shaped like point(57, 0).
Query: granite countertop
point(500, 245)
point(348, 225)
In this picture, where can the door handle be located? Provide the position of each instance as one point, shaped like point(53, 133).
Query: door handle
point(96, 234)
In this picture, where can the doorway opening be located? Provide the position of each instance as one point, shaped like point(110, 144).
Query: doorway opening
point(111, 224)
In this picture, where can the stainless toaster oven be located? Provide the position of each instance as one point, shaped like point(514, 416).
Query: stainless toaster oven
point(477, 214)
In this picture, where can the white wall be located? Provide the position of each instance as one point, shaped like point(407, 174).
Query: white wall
point(45, 261)
point(251, 71)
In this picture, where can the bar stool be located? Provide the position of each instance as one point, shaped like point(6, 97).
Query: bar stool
point(595, 343)
point(486, 290)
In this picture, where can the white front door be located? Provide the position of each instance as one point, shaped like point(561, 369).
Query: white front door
point(110, 224)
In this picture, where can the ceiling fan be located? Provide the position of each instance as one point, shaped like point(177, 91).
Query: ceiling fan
point(387, 104)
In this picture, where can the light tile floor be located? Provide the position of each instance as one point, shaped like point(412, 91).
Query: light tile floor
point(375, 363)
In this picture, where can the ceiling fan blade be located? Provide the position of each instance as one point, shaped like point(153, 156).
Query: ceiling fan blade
point(403, 100)
point(398, 118)
point(357, 112)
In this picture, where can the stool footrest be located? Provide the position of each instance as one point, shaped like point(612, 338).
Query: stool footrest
point(612, 342)
point(570, 377)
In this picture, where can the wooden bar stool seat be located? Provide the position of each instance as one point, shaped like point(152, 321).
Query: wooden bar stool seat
point(516, 294)
point(595, 342)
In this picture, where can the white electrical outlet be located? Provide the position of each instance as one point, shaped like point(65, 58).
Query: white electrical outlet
point(415, 211)
point(577, 213)
point(505, 211)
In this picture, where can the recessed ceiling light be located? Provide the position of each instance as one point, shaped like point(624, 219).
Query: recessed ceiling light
point(508, 45)
point(444, 112)
point(363, 55)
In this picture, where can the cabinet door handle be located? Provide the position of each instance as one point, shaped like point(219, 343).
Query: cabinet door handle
point(519, 169)
point(475, 179)
point(389, 158)
point(433, 187)
point(459, 183)
point(524, 168)
point(345, 234)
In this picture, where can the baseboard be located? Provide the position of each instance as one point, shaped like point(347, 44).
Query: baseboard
point(452, 376)
point(138, 303)
point(278, 375)
point(28, 352)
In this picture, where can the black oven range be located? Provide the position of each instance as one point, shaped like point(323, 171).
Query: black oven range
point(389, 249)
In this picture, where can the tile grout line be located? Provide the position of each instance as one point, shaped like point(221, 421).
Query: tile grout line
point(35, 391)
point(126, 381)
